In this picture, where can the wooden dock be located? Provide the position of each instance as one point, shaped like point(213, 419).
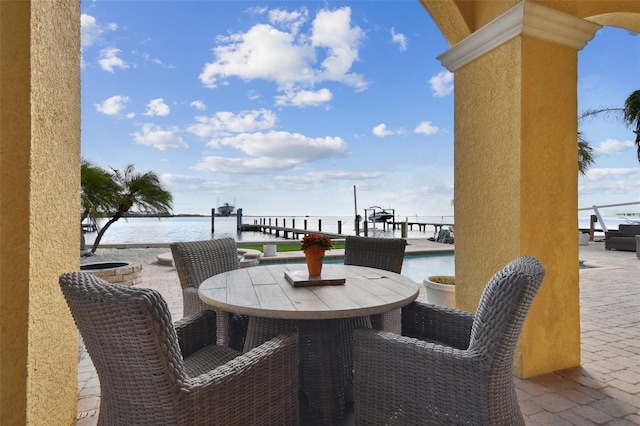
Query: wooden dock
point(286, 232)
point(422, 226)
point(281, 228)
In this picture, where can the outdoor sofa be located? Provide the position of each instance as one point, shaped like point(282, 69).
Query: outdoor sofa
point(622, 239)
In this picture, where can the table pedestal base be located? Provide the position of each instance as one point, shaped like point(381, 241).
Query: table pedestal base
point(325, 359)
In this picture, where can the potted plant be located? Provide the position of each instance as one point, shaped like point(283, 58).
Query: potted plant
point(441, 290)
point(314, 246)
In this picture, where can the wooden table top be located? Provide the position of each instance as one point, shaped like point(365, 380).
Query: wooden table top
point(264, 291)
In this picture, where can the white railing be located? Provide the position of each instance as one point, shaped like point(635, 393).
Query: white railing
point(597, 211)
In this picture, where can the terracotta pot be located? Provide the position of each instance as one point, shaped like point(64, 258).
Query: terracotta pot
point(314, 256)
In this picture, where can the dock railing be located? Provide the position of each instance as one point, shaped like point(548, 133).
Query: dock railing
point(598, 216)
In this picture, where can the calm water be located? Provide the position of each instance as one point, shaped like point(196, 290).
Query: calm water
point(149, 230)
point(168, 230)
point(419, 267)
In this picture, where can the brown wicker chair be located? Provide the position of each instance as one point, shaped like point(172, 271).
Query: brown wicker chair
point(195, 261)
point(456, 367)
point(154, 374)
point(381, 253)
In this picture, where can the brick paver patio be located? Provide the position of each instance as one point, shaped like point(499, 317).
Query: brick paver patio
point(605, 389)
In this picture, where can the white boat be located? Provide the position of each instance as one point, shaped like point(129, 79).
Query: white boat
point(380, 216)
point(226, 209)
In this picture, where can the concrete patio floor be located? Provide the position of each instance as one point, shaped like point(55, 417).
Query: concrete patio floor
point(605, 389)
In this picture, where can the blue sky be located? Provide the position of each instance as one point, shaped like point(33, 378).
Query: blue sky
point(284, 107)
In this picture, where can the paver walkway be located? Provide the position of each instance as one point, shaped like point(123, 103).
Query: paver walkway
point(605, 389)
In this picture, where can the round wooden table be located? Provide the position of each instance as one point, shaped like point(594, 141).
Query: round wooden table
point(323, 315)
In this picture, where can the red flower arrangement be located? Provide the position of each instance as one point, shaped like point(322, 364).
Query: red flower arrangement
point(315, 240)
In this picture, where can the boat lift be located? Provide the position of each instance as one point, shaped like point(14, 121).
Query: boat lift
point(378, 214)
point(384, 215)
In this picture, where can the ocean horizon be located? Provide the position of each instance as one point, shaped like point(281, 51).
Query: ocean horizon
point(141, 230)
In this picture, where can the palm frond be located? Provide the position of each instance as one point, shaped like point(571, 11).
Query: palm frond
point(632, 116)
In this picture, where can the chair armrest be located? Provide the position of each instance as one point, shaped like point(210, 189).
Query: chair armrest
point(437, 323)
point(267, 373)
point(389, 369)
point(196, 331)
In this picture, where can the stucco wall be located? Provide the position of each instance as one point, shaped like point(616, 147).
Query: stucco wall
point(39, 206)
point(14, 209)
point(459, 18)
point(549, 203)
point(487, 185)
point(516, 173)
point(516, 187)
point(618, 10)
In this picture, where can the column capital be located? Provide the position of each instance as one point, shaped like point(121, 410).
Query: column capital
point(526, 18)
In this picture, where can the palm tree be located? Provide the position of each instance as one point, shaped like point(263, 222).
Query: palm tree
point(586, 156)
point(142, 190)
point(632, 116)
point(97, 190)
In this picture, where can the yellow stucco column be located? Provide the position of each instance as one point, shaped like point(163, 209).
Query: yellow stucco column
point(39, 209)
point(516, 172)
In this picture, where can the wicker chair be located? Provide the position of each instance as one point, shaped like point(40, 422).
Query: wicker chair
point(381, 253)
point(456, 367)
point(154, 373)
point(195, 261)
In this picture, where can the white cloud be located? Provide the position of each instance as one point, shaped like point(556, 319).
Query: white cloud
point(263, 52)
point(605, 173)
point(399, 39)
point(288, 58)
point(381, 131)
point(91, 32)
point(157, 107)
point(612, 146)
point(247, 166)
point(621, 181)
point(257, 10)
point(442, 84)
point(148, 58)
point(289, 20)
point(323, 176)
point(427, 128)
point(271, 152)
point(172, 179)
point(198, 104)
point(333, 30)
point(345, 175)
point(113, 106)
point(304, 98)
point(109, 59)
point(198, 185)
point(292, 147)
point(225, 122)
point(159, 138)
